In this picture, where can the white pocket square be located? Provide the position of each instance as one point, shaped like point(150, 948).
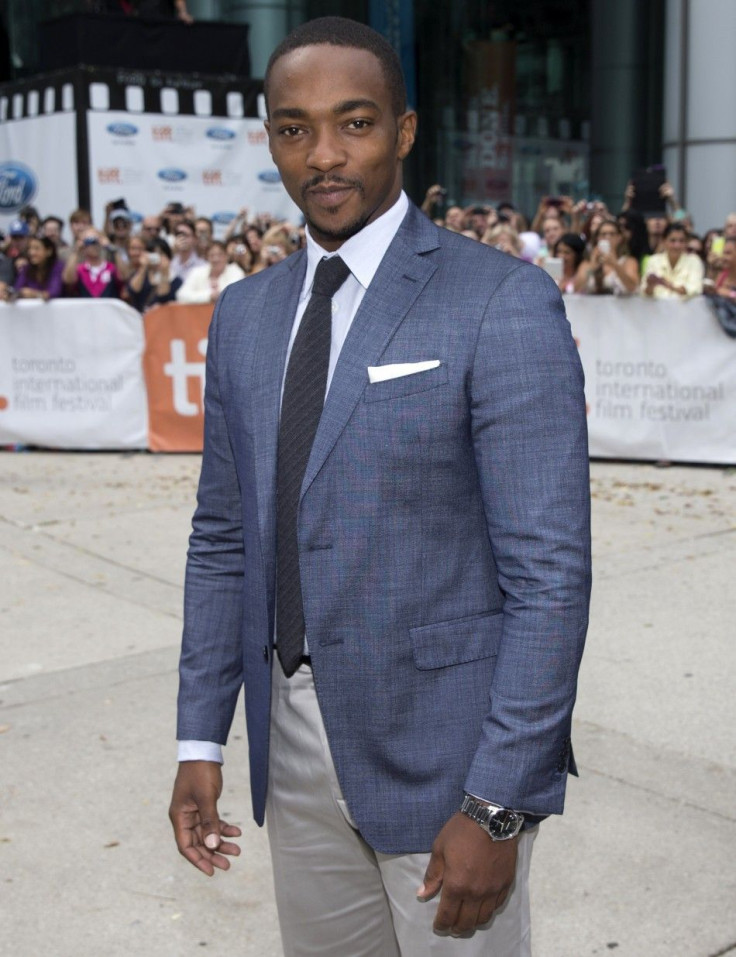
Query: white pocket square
point(397, 369)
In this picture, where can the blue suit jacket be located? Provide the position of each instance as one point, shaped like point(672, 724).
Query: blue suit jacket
point(443, 534)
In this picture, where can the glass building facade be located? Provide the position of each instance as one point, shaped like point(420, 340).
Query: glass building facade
point(517, 98)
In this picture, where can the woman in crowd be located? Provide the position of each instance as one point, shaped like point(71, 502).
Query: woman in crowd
point(611, 270)
point(239, 252)
point(150, 285)
point(205, 283)
point(570, 248)
point(636, 238)
point(87, 273)
point(504, 237)
point(41, 277)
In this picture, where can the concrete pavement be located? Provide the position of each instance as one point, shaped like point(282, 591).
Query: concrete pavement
point(643, 864)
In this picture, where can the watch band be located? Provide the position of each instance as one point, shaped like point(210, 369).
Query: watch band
point(500, 823)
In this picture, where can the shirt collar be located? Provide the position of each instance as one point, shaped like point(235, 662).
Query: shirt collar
point(363, 252)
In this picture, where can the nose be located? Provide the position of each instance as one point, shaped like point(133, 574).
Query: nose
point(326, 152)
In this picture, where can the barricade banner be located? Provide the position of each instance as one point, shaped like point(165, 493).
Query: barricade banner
point(70, 375)
point(173, 365)
point(660, 379)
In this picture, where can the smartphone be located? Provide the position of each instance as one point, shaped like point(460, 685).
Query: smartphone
point(605, 246)
point(646, 191)
point(717, 245)
point(154, 259)
point(553, 267)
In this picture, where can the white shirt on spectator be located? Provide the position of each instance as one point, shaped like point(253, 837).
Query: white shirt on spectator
point(197, 287)
point(180, 268)
point(687, 272)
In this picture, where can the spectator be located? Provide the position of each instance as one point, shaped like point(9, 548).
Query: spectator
point(570, 248)
point(87, 273)
point(205, 283)
point(204, 235)
point(17, 246)
point(611, 269)
point(185, 258)
point(79, 222)
point(695, 245)
point(433, 197)
point(729, 228)
point(121, 223)
point(634, 231)
point(504, 237)
point(51, 228)
point(173, 214)
point(674, 273)
point(656, 226)
point(551, 234)
point(276, 245)
point(253, 236)
point(455, 219)
point(150, 284)
point(239, 252)
point(29, 214)
point(725, 284)
point(41, 278)
point(150, 228)
point(479, 218)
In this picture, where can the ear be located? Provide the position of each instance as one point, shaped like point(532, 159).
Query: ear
point(407, 132)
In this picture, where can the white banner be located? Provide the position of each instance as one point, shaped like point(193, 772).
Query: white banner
point(660, 379)
point(70, 375)
point(38, 165)
point(216, 164)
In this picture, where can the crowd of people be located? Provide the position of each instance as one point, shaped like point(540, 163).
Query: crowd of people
point(174, 257)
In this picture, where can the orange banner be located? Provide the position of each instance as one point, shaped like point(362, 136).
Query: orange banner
point(173, 367)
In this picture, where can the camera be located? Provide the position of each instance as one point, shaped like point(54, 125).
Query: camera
point(154, 259)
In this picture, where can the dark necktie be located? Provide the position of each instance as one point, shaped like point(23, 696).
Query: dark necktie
point(301, 408)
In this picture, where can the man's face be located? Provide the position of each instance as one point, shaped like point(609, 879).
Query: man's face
point(79, 227)
point(335, 139)
point(675, 245)
point(151, 227)
point(52, 231)
point(656, 225)
point(183, 239)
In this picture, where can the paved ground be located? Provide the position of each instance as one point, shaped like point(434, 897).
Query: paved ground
point(643, 864)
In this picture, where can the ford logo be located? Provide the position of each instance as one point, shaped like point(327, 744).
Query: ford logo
point(270, 176)
point(18, 185)
point(223, 218)
point(122, 129)
point(172, 175)
point(220, 133)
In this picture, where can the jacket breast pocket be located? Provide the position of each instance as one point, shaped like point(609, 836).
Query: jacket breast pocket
point(406, 384)
point(456, 642)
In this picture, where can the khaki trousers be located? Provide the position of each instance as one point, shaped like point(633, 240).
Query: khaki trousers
point(336, 896)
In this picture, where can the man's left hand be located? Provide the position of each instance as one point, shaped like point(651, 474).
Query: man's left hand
point(474, 873)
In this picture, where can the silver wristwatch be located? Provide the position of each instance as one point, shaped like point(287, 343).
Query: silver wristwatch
point(500, 823)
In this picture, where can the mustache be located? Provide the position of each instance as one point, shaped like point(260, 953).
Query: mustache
point(321, 179)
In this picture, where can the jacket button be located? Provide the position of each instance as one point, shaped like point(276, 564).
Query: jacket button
point(265, 653)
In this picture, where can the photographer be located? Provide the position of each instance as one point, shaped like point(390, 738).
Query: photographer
point(150, 285)
point(611, 271)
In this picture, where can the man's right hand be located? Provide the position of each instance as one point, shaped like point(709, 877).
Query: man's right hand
point(193, 812)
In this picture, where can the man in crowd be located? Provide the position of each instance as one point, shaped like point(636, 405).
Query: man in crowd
point(185, 253)
point(398, 572)
point(674, 273)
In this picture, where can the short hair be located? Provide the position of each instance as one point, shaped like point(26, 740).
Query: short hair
point(674, 228)
point(341, 32)
point(80, 215)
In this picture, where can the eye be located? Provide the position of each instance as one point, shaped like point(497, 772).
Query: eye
point(359, 124)
point(290, 130)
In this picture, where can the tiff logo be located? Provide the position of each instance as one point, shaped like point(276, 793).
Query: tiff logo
point(180, 371)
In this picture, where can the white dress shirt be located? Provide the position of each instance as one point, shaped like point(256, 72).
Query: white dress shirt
point(362, 254)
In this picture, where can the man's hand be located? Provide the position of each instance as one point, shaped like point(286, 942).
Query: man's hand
point(474, 873)
point(197, 826)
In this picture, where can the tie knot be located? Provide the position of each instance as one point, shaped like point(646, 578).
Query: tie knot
point(330, 275)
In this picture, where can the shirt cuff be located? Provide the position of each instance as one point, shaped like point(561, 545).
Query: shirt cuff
point(199, 751)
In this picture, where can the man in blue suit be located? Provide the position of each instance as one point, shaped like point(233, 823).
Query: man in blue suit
point(399, 577)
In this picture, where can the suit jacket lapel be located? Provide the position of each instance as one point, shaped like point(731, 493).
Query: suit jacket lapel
point(401, 277)
point(268, 368)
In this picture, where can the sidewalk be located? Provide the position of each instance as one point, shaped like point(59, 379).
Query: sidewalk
point(643, 864)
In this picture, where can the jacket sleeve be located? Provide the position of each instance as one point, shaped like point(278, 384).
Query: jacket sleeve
point(211, 669)
point(530, 444)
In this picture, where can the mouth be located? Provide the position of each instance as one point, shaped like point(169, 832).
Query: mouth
point(329, 195)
